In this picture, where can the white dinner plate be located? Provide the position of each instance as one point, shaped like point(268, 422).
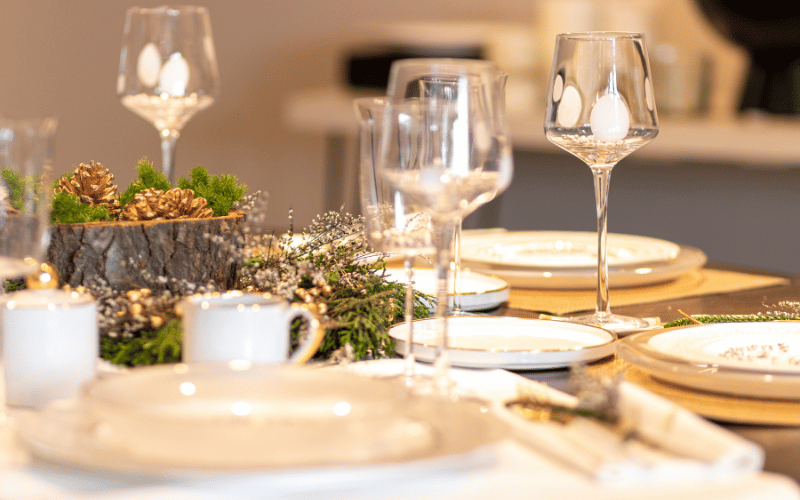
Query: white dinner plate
point(179, 420)
point(561, 249)
point(760, 359)
point(478, 292)
point(511, 343)
point(635, 272)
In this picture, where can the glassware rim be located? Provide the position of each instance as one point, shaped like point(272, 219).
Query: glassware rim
point(233, 299)
point(445, 62)
point(51, 299)
point(29, 122)
point(600, 35)
point(371, 102)
point(168, 10)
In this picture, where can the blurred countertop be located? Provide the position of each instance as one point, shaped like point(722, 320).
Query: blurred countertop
point(753, 141)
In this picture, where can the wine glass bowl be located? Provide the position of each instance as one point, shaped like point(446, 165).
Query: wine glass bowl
point(392, 223)
point(446, 80)
point(168, 70)
point(26, 154)
point(601, 108)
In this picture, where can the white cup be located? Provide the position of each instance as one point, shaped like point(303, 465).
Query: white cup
point(253, 327)
point(50, 345)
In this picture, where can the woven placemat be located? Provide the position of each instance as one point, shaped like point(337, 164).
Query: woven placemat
point(721, 407)
point(698, 282)
point(715, 406)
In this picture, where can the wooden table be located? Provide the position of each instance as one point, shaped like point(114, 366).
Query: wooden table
point(781, 443)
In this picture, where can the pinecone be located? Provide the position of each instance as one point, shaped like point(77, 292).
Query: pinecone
point(93, 185)
point(177, 203)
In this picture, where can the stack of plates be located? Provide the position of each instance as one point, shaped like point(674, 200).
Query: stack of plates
point(568, 259)
point(174, 419)
point(477, 292)
point(757, 360)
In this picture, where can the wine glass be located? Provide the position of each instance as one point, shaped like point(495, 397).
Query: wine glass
point(26, 177)
point(392, 223)
point(454, 155)
point(601, 108)
point(425, 77)
point(26, 153)
point(168, 70)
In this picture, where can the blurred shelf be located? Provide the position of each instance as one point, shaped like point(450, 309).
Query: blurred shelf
point(764, 142)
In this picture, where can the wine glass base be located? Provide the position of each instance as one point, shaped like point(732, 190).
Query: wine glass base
point(457, 313)
point(621, 325)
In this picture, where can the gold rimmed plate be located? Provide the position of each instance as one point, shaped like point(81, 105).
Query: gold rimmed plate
point(510, 343)
point(749, 359)
point(562, 249)
point(477, 292)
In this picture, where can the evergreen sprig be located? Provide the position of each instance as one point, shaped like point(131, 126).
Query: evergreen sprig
point(149, 177)
point(149, 347)
point(323, 267)
point(221, 192)
point(731, 318)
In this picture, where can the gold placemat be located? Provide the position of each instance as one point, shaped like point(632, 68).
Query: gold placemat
point(698, 282)
point(719, 407)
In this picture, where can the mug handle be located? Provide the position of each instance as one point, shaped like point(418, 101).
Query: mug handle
point(313, 340)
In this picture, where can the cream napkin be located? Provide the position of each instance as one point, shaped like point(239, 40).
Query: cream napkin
point(671, 444)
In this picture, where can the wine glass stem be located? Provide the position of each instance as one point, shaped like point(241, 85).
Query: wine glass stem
point(602, 177)
point(443, 239)
point(168, 140)
point(408, 353)
point(457, 267)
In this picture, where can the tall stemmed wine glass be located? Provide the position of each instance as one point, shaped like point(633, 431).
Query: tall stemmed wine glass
point(455, 155)
point(26, 153)
point(601, 108)
point(168, 70)
point(393, 224)
point(428, 77)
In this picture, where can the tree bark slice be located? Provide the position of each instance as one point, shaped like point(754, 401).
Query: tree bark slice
point(158, 255)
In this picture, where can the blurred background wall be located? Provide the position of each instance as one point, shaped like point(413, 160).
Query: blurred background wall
point(61, 58)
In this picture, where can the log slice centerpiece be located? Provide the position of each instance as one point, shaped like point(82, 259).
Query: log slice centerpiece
point(154, 254)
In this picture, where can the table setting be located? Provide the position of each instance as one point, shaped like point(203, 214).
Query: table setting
point(177, 348)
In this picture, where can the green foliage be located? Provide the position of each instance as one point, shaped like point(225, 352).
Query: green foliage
point(68, 208)
point(14, 285)
point(149, 347)
point(732, 318)
point(327, 266)
point(15, 186)
point(219, 191)
point(149, 177)
point(326, 270)
point(362, 318)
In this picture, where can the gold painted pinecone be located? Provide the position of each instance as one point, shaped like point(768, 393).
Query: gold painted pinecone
point(176, 203)
point(93, 184)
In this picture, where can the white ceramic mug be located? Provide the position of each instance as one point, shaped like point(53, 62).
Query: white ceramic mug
point(50, 345)
point(254, 327)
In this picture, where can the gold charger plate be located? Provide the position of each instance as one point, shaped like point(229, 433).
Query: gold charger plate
point(718, 407)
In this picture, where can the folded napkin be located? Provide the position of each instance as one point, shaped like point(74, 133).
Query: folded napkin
point(670, 444)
